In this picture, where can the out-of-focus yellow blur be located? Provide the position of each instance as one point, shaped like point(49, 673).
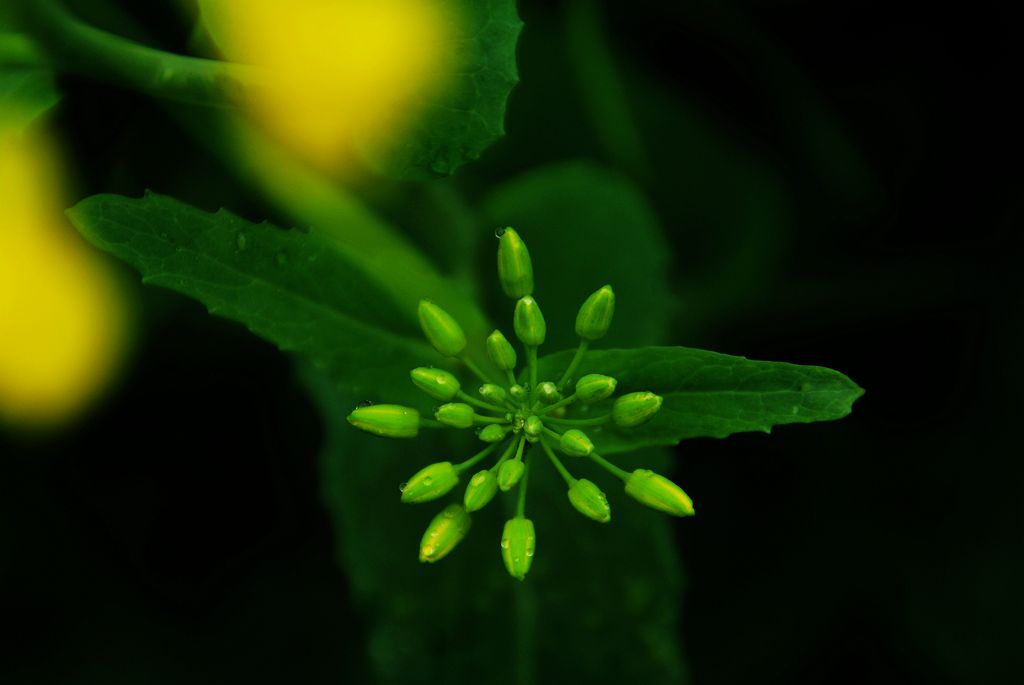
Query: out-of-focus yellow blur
point(63, 316)
point(341, 74)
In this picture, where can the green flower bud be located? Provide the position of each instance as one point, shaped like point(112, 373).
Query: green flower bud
point(635, 408)
point(529, 322)
point(429, 483)
point(518, 393)
point(547, 392)
point(510, 473)
point(443, 332)
point(444, 532)
point(501, 352)
point(576, 443)
point(518, 542)
point(594, 387)
point(533, 427)
point(595, 315)
point(455, 414)
point(515, 271)
point(493, 433)
point(588, 499)
point(387, 420)
point(437, 383)
point(658, 492)
point(481, 490)
point(492, 393)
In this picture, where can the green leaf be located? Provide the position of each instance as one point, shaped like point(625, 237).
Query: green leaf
point(586, 227)
point(599, 605)
point(26, 93)
point(708, 394)
point(461, 122)
point(462, 119)
point(292, 288)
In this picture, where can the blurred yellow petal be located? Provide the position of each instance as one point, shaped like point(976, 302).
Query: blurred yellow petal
point(63, 316)
point(340, 74)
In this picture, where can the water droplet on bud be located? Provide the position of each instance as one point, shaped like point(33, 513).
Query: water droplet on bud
point(498, 232)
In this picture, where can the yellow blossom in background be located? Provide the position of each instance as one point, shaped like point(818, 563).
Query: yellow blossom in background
point(63, 316)
point(338, 75)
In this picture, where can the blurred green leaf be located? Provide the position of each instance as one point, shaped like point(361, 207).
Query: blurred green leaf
point(586, 227)
point(295, 289)
point(469, 115)
point(707, 394)
point(26, 93)
point(465, 116)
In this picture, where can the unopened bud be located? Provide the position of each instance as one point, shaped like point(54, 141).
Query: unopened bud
point(493, 393)
point(501, 352)
point(588, 499)
point(437, 383)
point(481, 490)
point(658, 492)
point(493, 433)
point(455, 414)
point(595, 315)
point(547, 393)
point(515, 270)
point(635, 408)
point(510, 473)
point(443, 332)
point(529, 322)
point(518, 393)
point(387, 420)
point(533, 427)
point(594, 387)
point(430, 482)
point(445, 531)
point(518, 542)
point(576, 443)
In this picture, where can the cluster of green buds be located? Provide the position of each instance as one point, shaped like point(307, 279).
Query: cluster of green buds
point(514, 415)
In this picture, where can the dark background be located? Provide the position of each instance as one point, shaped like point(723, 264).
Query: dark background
point(147, 543)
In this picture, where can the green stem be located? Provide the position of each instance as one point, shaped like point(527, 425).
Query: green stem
point(476, 369)
point(574, 364)
point(531, 363)
point(603, 87)
point(520, 447)
point(555, 435)
point(469, 463)
point(610, 467)
point(479, 404)
point(484, 420)
point(569, 480)
point(521, 504)
point(596, 421)
point(512, 444)
point(511, 377)
point(78, 48)
point(565, 402)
